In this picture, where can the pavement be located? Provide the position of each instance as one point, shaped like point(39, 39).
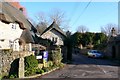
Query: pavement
point(84, 67)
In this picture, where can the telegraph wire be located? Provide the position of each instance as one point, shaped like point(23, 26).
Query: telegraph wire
point(74, 10)
point(82, 12)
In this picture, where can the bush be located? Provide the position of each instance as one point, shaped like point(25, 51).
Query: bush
point(30, 65)
point(13, 76)
point(39, 71)
point(30, 72)
point(0, 77)
point(56, 57)
point(61, 65)
point(46, 69)
point(50, 63)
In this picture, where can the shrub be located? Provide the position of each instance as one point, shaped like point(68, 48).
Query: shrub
point(39, 71)
point(30, 65)
point(46, 69)
point(56, 57)
point(0, 77)
point(50, 63)
point(54, 66)
point(61, 65)
point(13, 76)
point(30, 72)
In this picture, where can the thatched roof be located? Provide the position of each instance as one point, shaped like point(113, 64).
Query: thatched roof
point(55, 27)
point(26, 36)
point(12, 14)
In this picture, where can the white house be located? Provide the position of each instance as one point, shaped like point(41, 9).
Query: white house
point(9, 35)
point(15, 29)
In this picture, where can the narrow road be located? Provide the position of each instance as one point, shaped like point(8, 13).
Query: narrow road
point(84, 67)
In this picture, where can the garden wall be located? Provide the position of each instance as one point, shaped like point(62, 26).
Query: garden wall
point(7, 60)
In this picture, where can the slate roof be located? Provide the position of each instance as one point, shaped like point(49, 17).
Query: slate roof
point(55, 27)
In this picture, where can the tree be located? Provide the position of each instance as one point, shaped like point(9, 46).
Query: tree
point(58, 16)
point(41, 27)
point(42, 18)
point(88, 38)
point(82, 29)
point(107, 28)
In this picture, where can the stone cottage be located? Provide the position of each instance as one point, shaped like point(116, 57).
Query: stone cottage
point(54, 33)
point(113, 48)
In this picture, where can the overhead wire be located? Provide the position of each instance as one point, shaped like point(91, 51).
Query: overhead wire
point(82, 13)
point(75, 7)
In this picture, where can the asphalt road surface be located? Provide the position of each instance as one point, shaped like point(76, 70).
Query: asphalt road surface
point(84, 67)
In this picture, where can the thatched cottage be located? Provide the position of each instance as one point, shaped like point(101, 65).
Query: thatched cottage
point(16, 32)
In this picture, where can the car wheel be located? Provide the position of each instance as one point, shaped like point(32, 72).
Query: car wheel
point(93, 56)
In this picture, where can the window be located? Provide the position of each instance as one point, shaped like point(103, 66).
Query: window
point(2, 40)
point(54, 39)
point(13, 26)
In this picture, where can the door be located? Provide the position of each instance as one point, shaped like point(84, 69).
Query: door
point(113, 51)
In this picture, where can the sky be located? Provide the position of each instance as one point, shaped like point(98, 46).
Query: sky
point(93, 15)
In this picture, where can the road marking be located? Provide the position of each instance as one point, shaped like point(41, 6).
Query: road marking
point(101, 69)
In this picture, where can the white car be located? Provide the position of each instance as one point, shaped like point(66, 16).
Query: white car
point(95, 54)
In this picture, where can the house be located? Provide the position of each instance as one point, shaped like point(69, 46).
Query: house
point(9, 34)
point(113, 48)
point(54, 33)
point(16, 32)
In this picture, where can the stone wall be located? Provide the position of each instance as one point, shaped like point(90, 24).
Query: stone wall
point(7, 58)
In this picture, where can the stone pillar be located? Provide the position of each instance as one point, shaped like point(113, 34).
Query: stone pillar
point(30, 47)
point(21, 67)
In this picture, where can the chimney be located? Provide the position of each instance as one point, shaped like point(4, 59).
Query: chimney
point(113, 32)
point(54, 21)
point(21, 9)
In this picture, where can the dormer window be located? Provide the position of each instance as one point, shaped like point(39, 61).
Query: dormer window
point(13, 26)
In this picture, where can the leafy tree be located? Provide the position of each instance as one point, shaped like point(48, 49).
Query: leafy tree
point(88, 38)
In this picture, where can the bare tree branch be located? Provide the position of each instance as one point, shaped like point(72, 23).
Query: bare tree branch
point(82, 29)
point(57, 15)
point(42, 18)
point(107, 29)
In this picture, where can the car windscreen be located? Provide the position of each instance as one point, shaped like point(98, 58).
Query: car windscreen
point(96, 51)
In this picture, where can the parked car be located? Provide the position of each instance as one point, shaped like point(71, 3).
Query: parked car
point(95, 54)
